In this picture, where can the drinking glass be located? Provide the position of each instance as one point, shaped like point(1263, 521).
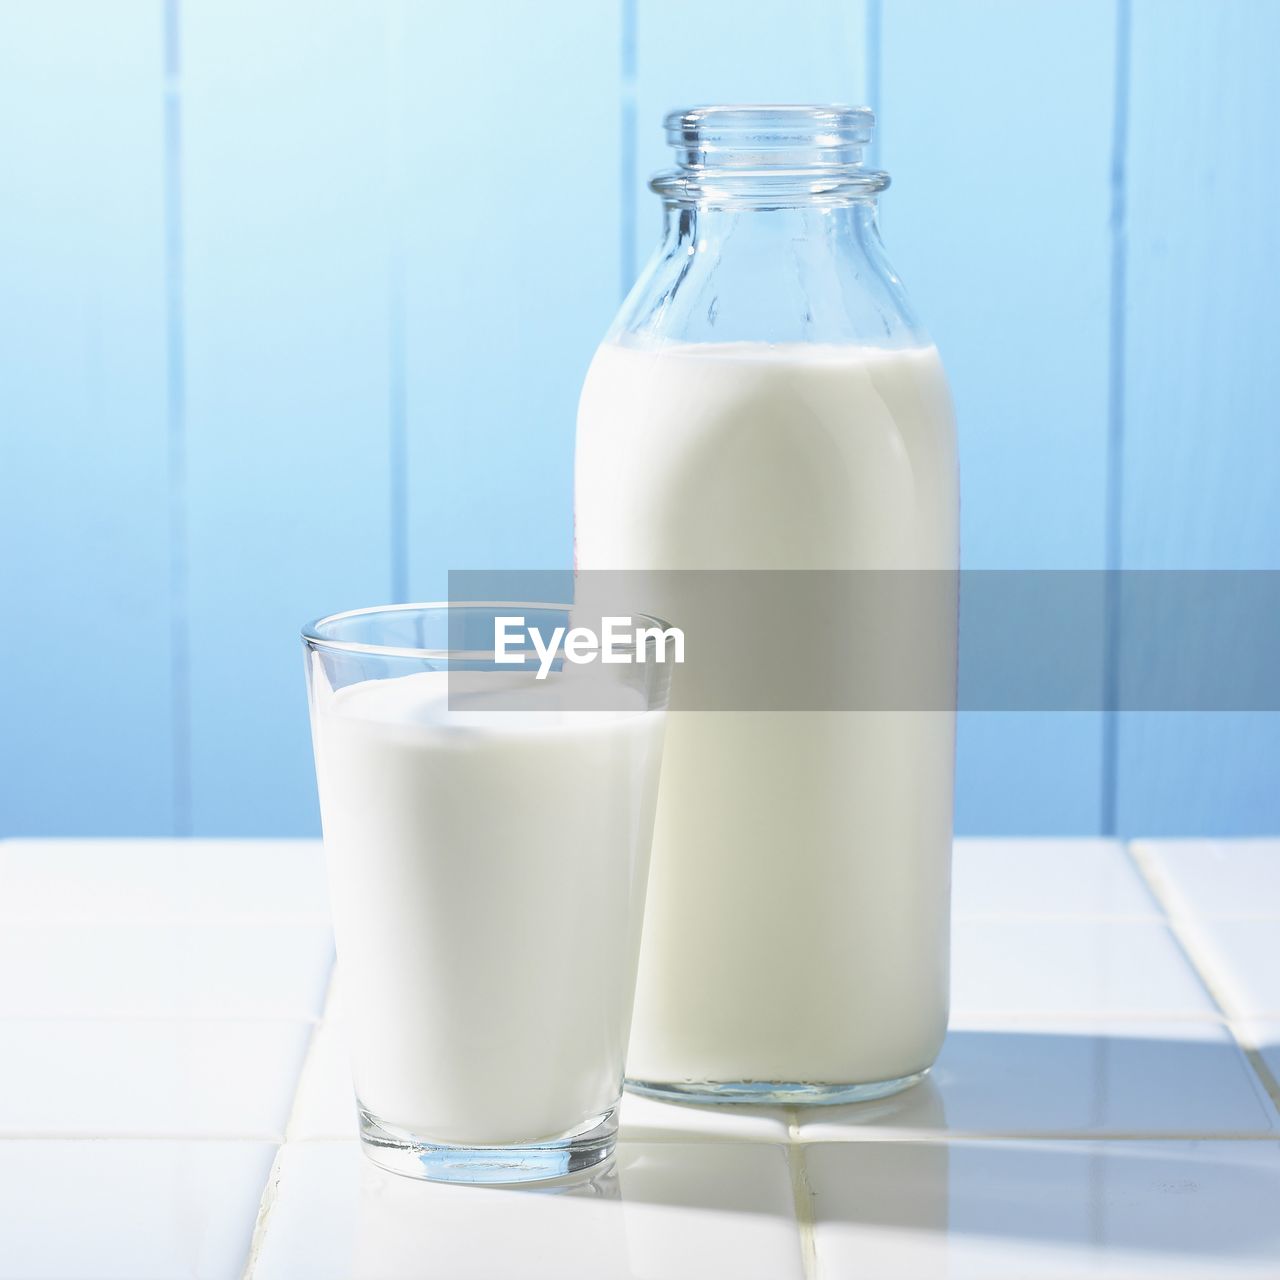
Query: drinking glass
point(487, 836)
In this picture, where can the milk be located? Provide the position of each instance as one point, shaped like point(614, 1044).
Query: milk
point(797, 921)
point(487, 870)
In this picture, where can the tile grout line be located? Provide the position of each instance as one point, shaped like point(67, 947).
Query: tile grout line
point(268, 1199)
point(1266, 916)
point(854, 1135)
point(801, 1198)
point(1182, 926)
point(961, 1137)
point(987, 1017)
point(182, 1019)
point(265, 1205)
point(184, 920)
point(133, 1135)
point(1056, 917)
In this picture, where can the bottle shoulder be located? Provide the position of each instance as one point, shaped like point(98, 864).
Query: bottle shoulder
point(810, 276)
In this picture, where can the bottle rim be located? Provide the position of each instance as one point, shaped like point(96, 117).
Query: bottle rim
point(764, 126)
point(741, 152)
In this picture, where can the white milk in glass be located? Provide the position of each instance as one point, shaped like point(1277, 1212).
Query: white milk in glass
point(797, 920)
point(486, 869)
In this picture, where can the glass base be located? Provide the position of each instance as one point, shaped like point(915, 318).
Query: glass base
point(584, 1148)
point(772, 1093)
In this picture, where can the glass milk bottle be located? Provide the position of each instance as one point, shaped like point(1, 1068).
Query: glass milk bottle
point(766, 399)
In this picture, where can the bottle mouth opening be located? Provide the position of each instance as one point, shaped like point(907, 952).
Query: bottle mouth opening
point(817, 147)
point(756, 136)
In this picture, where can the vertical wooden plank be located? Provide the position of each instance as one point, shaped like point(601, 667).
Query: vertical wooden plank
point(996, 124)
point(85, 712)
point(510, 132)
point(1201, 458)
point(287, 370)
point(722, 51)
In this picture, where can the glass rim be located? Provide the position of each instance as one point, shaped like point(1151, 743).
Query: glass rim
point(312, 639)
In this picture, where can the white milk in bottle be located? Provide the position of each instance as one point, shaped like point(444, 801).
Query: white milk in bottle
point(765, 400)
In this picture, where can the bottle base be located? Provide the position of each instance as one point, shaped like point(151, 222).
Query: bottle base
point(772, 1093)
point(400, 1151)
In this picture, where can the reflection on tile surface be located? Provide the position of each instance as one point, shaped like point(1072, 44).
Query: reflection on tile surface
point(666, 1210)
point(1032, 1210)
point(1242, 958)
point(127, 1210)
point(650, 1120)
point(1071, 967)
point(1067, 1077)
point(148, 1077)
point(1048, 878)
point(1264, 1035)
point(1217, 877)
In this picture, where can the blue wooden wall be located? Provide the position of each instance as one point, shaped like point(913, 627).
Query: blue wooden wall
point(295, 301)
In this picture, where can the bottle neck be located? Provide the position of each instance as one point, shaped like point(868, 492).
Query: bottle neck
point(770, 235)
point(773, 242)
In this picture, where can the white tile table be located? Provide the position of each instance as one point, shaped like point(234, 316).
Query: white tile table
point(175, 1099)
